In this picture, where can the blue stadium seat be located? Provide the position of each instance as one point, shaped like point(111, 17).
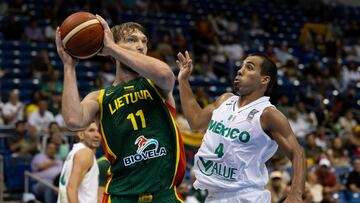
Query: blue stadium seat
point(354, 197)
point(14, 172)
point(340, 196)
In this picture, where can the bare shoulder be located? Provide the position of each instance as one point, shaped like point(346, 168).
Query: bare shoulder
point(222, 98)
point(92, 95)
point(272, 118)
point(84, 156)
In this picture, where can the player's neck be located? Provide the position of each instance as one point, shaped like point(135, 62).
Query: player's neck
point(247, 99)
point(92, 148)
point(123, 76)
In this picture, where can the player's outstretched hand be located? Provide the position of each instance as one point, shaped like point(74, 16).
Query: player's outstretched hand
point(65, 57)
point(185, 65)
point(108, 37)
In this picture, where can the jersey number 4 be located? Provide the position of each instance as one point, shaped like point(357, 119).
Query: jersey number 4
point(220, 150)
point(132, 118)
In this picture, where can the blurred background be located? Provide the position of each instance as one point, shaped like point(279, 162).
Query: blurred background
point(315, 43)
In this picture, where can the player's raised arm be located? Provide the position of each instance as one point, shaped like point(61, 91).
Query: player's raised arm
point(76, 114)
point(148, 67)
point(197, 117)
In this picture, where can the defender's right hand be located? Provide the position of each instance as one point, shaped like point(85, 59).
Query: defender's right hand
point(185, 65)
point(65, 57)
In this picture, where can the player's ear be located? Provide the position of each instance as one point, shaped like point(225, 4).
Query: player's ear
point(81, 135)
point(265, 79)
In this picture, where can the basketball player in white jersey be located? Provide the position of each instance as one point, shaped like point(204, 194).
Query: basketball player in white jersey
point(243, 131)
point(79, 177)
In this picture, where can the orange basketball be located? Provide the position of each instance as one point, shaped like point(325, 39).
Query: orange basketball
point(82, 35)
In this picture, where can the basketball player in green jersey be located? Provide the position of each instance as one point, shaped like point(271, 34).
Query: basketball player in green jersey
point(135, 117)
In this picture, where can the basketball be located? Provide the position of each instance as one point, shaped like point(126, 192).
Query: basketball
point(82, 35)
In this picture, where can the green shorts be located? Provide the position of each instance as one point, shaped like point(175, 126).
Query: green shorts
point(166, 196)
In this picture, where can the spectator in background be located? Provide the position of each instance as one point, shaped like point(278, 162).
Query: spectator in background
point(40, 119)
point(13, 110)
point(283, 104)
point(354, 142)
point(55, 103)
point(47, 167)
point(321, 138)
point(350, 73)
point(202, 96)
point(179, 42)
point(282, 54)
point(41, 65)
point(33, 105)
point(204, 67)
point(50, 30)
point(255, 25)
point(62, 144)
point(106, 74)
point(320, 113)
point(21, 143)
point(279, 164)
point(33, 31)
point(338, 155)
point(298, 124)
point(347, 123)
point(353, 180)
point(276, 186)
point(309, 117)
point(312, 151)
point(353, 51)
point(53, 84)
point(316, 189)
point(166, 50)
point(56, 136)
point(326, 177)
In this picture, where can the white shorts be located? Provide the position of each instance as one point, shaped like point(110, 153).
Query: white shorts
point(242, 196)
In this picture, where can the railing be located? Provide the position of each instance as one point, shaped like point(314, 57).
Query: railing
point(29, 175)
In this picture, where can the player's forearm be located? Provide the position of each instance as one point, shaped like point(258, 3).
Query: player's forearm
point(72, 194)
point(71, 107)
point(189, 105)
point(298, 171)
point(148, 67)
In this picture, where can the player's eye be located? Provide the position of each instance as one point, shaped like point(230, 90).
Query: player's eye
point(249, 67)
point(131, 40)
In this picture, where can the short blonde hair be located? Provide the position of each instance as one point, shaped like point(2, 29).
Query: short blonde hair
point(121, 30)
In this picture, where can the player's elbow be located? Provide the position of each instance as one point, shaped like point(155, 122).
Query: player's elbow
point(72, 123)
point(167, 77)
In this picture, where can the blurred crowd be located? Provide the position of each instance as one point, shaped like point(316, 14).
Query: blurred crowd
point(318, 87)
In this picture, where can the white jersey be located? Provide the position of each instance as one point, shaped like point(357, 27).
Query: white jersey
point(234, 149)
point(89, 186)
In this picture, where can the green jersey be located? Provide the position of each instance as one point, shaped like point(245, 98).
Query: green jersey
point(140, 139)
point(103, 165)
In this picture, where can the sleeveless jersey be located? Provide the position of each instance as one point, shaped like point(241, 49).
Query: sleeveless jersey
point(140, 139)
point(234, 150)
point(88, 188)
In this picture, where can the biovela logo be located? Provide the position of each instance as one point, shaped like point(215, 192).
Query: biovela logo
point(143, 153)
point(210, 168)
